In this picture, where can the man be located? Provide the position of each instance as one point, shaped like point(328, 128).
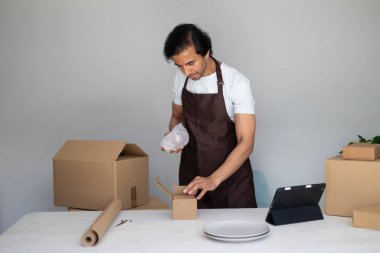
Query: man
point(215, 104)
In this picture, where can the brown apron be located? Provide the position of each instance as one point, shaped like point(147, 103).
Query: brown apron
point(212, 138)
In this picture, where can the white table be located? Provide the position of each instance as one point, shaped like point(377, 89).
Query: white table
point(154, 231)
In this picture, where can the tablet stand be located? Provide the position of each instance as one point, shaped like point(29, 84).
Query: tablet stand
point(294, 215)
point(296, 204)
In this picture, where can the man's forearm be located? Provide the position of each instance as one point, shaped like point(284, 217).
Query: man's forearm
point(233, 162)
point(245, 133)
point(177, 116)
point(173, 122)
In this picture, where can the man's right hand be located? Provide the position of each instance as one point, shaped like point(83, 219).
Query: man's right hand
point(173, 151)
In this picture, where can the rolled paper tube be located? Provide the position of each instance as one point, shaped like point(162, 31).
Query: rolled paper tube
point(101, 224)
point(90, 238)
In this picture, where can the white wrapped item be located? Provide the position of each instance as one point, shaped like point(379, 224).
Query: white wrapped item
point(175, 139)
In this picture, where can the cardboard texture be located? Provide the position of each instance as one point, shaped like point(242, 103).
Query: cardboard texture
point(154, 203)
point(350, 184)
point(362, 151)
point(367, 217)
point(101, 224)
point(184, 206)
point(90, 174)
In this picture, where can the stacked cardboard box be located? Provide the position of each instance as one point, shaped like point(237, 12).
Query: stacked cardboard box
point(362, 151)
point(351, 184)
point(367, 217)
point(352, 180)
point(90, 174)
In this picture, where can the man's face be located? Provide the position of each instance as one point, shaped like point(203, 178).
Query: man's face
point(190, 63)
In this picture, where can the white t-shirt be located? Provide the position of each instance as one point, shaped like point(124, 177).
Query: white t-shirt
point(236, 89)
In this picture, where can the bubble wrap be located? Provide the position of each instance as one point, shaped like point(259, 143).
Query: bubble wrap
point(175, 139)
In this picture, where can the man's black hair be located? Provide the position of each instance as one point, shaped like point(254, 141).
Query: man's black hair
point(185, 35)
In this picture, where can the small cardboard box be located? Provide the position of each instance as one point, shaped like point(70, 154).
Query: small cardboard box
point(367, 217)
point(351, 184)
point(90, 174)
point(184, 206)
point(362, 151)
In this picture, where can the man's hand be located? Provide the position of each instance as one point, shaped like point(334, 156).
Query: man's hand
point(204, 184)
point(173, 151)
point(176, 118)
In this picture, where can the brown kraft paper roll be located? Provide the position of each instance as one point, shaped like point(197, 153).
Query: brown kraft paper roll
point(101, 224)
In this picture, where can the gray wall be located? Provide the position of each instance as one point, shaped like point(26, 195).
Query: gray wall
point(95, 70)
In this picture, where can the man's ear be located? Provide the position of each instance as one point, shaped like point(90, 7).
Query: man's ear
point(207, 55)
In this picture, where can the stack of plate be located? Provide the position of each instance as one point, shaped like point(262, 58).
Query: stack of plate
point(236, 230)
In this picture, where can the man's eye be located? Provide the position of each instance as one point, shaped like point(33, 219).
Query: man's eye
point(191, 63)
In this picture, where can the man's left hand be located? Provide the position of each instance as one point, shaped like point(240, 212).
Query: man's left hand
point(204, 184)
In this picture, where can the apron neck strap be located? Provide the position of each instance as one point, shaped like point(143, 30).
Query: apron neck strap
point(219, 77)
point(218, 72)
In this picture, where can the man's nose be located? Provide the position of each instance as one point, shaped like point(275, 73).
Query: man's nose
point(187, 71)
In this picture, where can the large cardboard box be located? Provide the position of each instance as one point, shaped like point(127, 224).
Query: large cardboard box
point(90, 174)
point(362, 151)
point(367, 217)
point(184, 206)
point(351, 184)
point(154, 203)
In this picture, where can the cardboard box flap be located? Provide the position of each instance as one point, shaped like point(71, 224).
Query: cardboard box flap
point(178, 190)
point(162, 187)
point(133, 149)
point(90, 150)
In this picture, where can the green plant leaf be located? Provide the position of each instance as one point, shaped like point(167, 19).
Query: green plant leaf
point(376, 140)
point(361, 139)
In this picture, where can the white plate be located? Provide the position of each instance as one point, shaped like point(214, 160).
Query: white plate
point(236, 229)
point(242, 239)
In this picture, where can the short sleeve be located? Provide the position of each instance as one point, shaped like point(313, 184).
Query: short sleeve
point(241, 95)
point(178, 83)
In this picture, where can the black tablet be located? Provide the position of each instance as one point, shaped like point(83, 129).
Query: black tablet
point(296, 204)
